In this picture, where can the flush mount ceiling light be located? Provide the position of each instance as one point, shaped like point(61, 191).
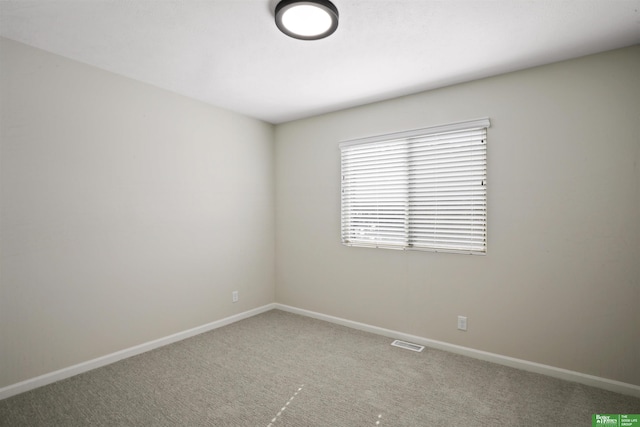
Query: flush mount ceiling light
point(307, 19)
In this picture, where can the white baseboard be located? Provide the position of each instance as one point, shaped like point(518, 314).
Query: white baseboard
point(552, 371)
point(564, 374)
point(70, 371)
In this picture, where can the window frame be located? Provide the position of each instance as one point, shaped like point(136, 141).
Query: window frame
point(401, 144)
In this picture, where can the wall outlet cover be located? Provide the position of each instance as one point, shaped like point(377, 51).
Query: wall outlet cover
point(462, 323)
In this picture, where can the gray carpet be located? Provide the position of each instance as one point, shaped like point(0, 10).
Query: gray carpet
point(278, 369)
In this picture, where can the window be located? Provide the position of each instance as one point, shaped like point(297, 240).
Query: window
point(421, 190)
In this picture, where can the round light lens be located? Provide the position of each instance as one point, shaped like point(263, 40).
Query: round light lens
point(306, 20)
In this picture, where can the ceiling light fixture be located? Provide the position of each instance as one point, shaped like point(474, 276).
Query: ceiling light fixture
point(307, 19)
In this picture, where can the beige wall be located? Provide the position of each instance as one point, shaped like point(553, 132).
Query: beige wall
point(128, 213)
point(561, 282)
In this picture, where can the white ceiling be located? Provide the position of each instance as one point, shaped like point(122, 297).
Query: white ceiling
point(229, 53)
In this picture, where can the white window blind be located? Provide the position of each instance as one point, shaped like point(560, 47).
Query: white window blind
point(424, 189)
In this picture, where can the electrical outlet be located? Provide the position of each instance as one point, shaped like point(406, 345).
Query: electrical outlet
point(234, 296)
point(462, 323)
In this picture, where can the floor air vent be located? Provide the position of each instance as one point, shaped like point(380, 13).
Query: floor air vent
point(408, 345)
